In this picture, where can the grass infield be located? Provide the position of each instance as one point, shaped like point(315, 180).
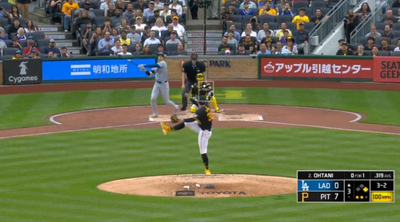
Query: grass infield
point(54, 177)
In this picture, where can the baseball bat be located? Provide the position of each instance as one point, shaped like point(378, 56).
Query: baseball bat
point(132, 62)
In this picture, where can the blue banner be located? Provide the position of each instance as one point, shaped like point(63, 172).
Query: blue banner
point(319, 185)
point(74, 69)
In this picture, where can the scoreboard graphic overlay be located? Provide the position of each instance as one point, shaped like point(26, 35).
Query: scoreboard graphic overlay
point(346, 186)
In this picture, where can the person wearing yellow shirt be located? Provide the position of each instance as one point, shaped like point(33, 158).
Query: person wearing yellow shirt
point(267, 10)
point(124, 40)
point(301, 17)
point(280, 33)
point(67, 11)
point(18, 55)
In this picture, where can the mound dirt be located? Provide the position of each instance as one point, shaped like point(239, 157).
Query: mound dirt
point(202, 186)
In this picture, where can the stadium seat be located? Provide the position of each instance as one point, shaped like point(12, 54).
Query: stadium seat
point(153, 48)
point(4, 22)
point(9, 51)
point(273, 25)
point(291, 26)
point(309, 12)
point(266, 18)
point(6, 6)
point(362, 41)
point(309, 26)
point(384, 53)
point(99, 21)
point(172, 47)
point(283, 18)
point(319, 4)
point(368, 52)
point(353, 47)
point(396, 53)
point(8, 43)
point(98, 13)
point(380, 25)
point(43, 42)
point(37, 35)
point(325, 11)
point(301, 4)
point(237, 18)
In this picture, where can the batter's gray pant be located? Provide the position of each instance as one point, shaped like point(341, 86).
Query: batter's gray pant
point(163, 88)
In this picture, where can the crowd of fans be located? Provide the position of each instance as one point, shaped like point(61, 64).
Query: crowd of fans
point(383, 38)
point(269, 27)
point(104, 27)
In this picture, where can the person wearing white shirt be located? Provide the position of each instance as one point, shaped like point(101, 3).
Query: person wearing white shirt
point(251, 5)
point(159, 26)
point(249, 30)
point(104, 5)
point(397, 49)
point(158, 5)
point(124, 51)
point(150, 10)
point(183, 4)
point(177, 7)
point(116, 48)
point(165, 12)
point(178, 27)
point(152, 39)
point(173, 39)
point(139, 24)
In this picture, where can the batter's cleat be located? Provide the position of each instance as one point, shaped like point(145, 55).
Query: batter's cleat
point(208, 172)
point(154, 116)
point(176, 109)
point(166, 129)
point(217, 110)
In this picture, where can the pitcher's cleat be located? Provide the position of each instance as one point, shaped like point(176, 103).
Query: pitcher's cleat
point(166, 129)
point(217, 110)
point(208, 172)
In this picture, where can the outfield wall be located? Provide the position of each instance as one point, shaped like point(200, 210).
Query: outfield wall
point(272, 67)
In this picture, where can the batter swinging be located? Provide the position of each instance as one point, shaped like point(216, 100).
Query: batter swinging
point(201, 123)
point(161, 85)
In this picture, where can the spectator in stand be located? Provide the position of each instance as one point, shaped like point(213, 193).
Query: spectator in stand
point(180, 30)
point(160, 48)
point(247, 10)
point(261, 3)
point(3, 36)
point(107, 25)
point(251, 4)
point(138, 13)
point(3, 45)
point(344, 50)
point(278, 49)
point(15, 26)
point(158, 4)
point(23, 5)
point(227, 17)
point(51, 48)
point(165, 12)
point(129, 13)
point(389, 18)
point(375, 51)
point(86, 7)
point(249, 44)
point(51, 55)
point(152, 40)
point(140, 27)
point(236, 34)
point(177, 7)
point(382, 3)
point(134, 36)
point(280, 32)
point(302, 17)
point(224, 45)
point(249, 30)
point(105, 44)
point(30, 27)
point(388, 32)
point(181, 51)
point(267, 10)
point(373, 33)
point(120, 5)
point(14, 13)
point(286, 10)
point(269, 46)
point(173, 39)
point(241, 50)
point(231, 39)
point(15, 43)
point(396, 4)
point(146, 50)
point(85, 38)
point(363, 12)
point(105, 4)
point(118, 14)
point(4, 13)
point(137, 49)
point(360, 51)
point(117, 48)
point(146, 33)
point(397, 49)
point(150, 10)
point(350, 23)
point(33, 55)
point(254, 23)
point(263, 50)
point(31, 46)
point(318, 16)
point(109, 12)
point(21, 35)
point(115, 34)
point(284, 37)
point(370, 43)
point(64, 53)
point(67, 10)
point(124, 51)
point(385, 45)
point(159, 26)
point(140, 5)
point(124, 40)
point(18, 55)
point(262, 33)
point(301, 36)
point(291, 46)
point(83, 19)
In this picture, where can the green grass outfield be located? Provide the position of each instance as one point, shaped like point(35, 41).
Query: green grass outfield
point(54, 177)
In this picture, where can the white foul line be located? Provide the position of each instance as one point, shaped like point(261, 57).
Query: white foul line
point(322, 127)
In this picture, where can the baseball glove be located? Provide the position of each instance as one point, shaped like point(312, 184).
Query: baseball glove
point(174, 118)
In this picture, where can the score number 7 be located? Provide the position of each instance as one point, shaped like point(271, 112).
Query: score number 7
point(336, 195)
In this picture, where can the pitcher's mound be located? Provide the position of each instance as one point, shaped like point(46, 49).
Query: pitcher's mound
point(214, 185)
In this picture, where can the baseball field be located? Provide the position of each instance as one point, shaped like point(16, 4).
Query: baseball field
point(57, 148)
